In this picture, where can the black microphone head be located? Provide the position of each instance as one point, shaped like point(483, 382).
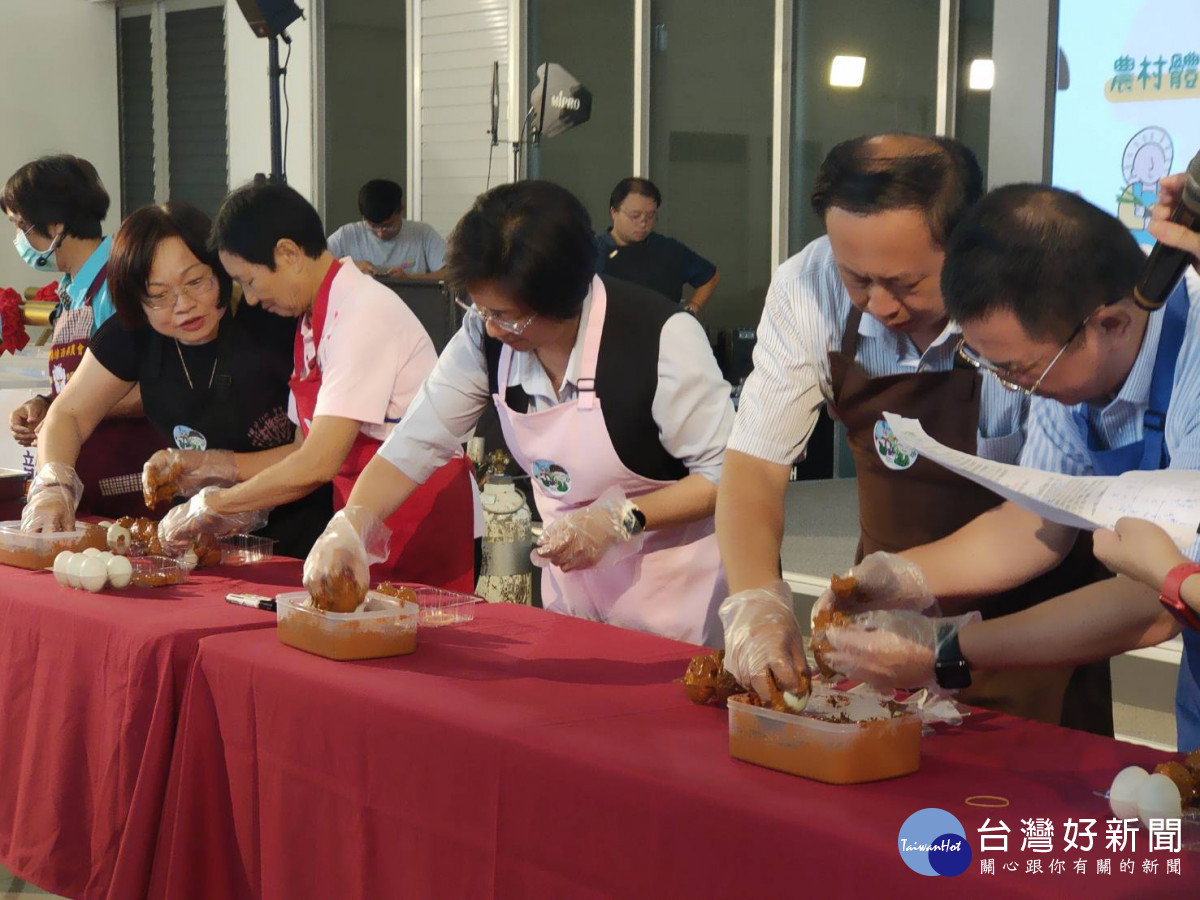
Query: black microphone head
point(1191, 187)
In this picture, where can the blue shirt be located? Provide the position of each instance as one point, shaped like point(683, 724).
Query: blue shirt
point(77, 288)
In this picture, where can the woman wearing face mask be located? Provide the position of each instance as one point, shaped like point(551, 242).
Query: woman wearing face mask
point(57, 205)
point(360, 355)
point(213, 378)
point(608, 396)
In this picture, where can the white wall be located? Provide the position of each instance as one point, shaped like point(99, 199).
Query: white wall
point(60, 96)
point(249, 107)
point(1024, 49)
point(456, 42)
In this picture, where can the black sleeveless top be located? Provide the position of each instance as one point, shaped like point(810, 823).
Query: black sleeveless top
point(626, 377)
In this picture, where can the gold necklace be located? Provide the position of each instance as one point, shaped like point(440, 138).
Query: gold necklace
point(188, 375)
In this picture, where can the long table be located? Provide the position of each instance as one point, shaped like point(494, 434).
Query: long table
point(534, 755)
point(90, 690)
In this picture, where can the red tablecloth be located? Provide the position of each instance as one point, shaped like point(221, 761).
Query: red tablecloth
point(90, 689)
point(534, 755)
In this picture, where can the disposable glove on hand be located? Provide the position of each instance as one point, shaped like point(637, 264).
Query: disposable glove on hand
point(54, 496)
point(883, 581)
point(171, 473)
point(182, 527)
point(890, 649)
point(596, 536)
point(337, 571)
point(763, 641)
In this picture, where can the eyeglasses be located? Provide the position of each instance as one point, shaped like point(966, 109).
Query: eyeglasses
point(511, 326)
point(1002, 375)
point(638, 218)
point(193, 289)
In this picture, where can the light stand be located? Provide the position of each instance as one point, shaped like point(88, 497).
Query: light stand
point(276, 73)
point(269, 19)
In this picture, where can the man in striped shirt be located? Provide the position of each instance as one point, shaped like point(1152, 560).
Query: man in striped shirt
point(857, 321)
point(1042, 282)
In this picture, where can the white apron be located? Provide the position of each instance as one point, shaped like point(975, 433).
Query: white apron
point(674, 586)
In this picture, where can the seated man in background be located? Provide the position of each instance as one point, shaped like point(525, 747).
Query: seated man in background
point(384, 243)
point(633, 251)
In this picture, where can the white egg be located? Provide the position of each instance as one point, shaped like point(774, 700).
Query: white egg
point(1158, 798)
point(105, 524)
point(60, 567)
point(120, 570)
point(106, 556)
point(119, 539)
point(92, 574)
point(1122, 796)
point(74, 568)
point(91, 551)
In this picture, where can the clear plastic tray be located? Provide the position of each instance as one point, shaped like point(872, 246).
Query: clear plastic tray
point(157, 571)
point(28, 550)
point(438, 606)
point(383, 627)
point(873, 745)
point(246, 549)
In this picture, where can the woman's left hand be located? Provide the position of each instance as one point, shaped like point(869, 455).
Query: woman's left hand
point(1137, 549)
point(182, 527)
point(594, 536)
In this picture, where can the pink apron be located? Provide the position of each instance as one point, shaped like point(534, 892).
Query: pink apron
point(671, 588)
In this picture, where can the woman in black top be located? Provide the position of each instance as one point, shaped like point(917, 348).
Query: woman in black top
point(212, 376)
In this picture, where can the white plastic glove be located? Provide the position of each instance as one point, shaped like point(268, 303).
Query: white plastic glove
point(593, 537)
point(171, 473)
point(890, 649)
point(885, 581)
point(54, 496)
point(337, 570)
point(182, 527)
point(763, 640)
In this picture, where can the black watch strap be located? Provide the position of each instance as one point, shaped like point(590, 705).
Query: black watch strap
point(950, 668)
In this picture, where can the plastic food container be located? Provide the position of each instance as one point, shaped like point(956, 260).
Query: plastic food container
point(158, 571)
point(37, 551)
point(246, 549)
point(438, 606)
point(840, 739)
point(383, 627)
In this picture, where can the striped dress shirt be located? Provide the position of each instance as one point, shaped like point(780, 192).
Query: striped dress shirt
point(803, 320)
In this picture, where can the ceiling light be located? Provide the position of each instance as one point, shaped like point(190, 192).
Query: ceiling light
point(981, 75)
point(847, 71)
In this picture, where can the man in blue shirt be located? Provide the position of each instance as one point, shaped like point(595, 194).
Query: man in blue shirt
point(633, 251)
point(1041, 283)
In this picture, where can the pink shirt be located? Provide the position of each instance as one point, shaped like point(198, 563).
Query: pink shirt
point(374, 354)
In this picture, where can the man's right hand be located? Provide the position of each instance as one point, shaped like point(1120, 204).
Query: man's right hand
point(882, 581)
point(1170, 192)
point(763, 640)
point(27, 418)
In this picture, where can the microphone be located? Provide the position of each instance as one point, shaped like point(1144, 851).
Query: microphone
point(1165, 265)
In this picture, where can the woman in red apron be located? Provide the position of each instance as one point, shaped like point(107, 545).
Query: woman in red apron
point(608, 396)
point(57, 204)
point(360, 357)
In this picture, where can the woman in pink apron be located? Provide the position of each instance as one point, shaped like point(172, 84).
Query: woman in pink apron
point(360, 356)
point(57, 204)
point(609, 397)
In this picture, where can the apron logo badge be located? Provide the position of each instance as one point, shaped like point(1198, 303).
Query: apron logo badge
point(189, 438)
point(894, 454)
point(551, 476)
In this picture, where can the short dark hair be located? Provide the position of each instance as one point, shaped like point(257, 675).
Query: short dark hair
point(60, 189)
point(643, 187)
point(254, 218)
point(535, 238)
point(379, 200)
point(135, 244)
point(936, 175)
point(1046, 255)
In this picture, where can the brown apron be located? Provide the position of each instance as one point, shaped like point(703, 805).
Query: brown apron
point(900, 508)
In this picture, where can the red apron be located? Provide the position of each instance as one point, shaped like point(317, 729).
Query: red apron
point(110, 460)
point(433, 531)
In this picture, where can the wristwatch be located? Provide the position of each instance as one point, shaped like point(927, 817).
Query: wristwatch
point(950, 668)
point(633, 520)
point(1169, 595)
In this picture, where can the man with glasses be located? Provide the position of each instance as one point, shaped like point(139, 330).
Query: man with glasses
point(857, 321)
point(633, 251)
point(384, 243)
point(1042, 283)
